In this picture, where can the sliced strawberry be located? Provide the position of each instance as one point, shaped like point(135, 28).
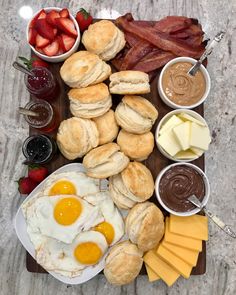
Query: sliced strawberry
point(41, 14)
point(39, 49)
point(52, 48)
point(61, 43)
point(67, 26)
point(60, 51)
point(41, 42)
point(67, 41)
point(55, 31)
point(64, 12)
point(51, 17)
point(32, 36)
point(44, 29)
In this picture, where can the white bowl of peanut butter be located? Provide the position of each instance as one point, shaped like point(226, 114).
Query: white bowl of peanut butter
point(178, 89)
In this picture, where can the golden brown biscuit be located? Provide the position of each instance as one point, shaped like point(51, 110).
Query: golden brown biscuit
point(76, 136)
point(91, 101)
point(145, 225)
point(104, 39)
point(105, 160)
point(84, 68)
point(129, 82)
point(136, 146)
point(107, 127)
point(135, 114)
point(123, 263)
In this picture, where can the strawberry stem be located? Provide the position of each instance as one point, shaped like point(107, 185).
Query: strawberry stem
point(85, 13)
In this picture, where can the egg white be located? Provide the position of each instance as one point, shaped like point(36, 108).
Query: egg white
point(109, 211)
point(59, 257)
point(39, 215)
point(83, 184)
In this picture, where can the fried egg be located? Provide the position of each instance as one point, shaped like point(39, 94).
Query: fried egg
point(71, 183)
point(113, 225)
point(61, 217)
point(69, 260)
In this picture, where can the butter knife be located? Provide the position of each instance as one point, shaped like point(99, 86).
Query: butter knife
point(207, 52)
point(226, 228)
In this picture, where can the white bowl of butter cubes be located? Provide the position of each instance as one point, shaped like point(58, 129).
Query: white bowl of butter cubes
point(182, 135)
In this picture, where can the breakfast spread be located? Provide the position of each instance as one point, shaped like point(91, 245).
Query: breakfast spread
point(135, 114)
point(73, 221)
point(177, 184)
point(174, 258)
point(133, 185)
point(104, 39)
point(182, 88)
point(183, 136)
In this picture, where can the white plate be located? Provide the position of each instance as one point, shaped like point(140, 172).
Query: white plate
point(21, 231)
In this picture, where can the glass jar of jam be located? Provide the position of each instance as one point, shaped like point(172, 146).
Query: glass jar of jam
point(46, 120)
point(42, 85)
point(39, 149)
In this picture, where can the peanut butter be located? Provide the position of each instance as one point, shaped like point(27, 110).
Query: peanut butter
point(182, 88)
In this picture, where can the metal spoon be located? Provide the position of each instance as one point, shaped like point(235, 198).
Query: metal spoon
point(22, 69)
point(27, 112)
point(207, 52)
point(226, 228)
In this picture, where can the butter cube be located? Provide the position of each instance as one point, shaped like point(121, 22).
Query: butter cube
point(188, 154)
point(182, 133)
point(172, 122)
point(196, 151)
point(187, 117)
point(199, 136)
point(169, 143)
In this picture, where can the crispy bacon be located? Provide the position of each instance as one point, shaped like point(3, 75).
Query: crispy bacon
point(160, 40)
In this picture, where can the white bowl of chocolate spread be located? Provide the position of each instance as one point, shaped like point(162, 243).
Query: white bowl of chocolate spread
point(176, 183)
point(178, 89)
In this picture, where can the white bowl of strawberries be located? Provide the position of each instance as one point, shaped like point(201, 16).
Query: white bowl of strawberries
point(53, 34)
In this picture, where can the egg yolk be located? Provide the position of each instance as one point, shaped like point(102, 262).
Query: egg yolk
point(62, 187)
point(67, 210)
point(88, 253)
point(107, 230)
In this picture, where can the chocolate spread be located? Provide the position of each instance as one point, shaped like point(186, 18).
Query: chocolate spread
point(177, 184)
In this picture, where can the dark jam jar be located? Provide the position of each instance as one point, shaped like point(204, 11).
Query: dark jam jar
point(39, 149)
point(42, 85)
point(46, 120)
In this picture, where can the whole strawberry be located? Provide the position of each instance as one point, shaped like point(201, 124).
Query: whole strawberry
point(84, 19)
point(26, 185)
point(37, 173)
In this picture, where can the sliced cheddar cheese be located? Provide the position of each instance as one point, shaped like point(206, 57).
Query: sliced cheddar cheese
point(178, 264)
point(161, 268)
point(195, 226)
point(185, 242)
point(187, 117)
point(182, 134)
point(172, 122)
point(187, 255)
point(199, 137)
point(169, 143)
point(152, 276)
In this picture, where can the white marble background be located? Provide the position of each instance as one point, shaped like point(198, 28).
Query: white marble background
point(220, 112)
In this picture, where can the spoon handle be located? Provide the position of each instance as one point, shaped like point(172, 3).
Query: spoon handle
point(22, 69)
point(207, 52)
point(220, 223)
point(26, 112)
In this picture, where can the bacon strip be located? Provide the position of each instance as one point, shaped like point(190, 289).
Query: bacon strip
point(160, 40)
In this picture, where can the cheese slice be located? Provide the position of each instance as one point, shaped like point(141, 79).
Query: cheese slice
point(195, 226)
point(182, 133)
point(169, 143)
point(196, 151)
point(181, 241)
point(187, 117)
point(178, 264)
point(172, 122)
point(188, 154)
point(187, 255)
point(199, 137)
point(152, 276)
point(161, 268)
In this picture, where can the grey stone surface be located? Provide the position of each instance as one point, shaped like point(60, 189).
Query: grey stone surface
point(220, 113)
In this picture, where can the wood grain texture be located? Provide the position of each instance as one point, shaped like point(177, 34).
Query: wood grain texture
point(220, 113)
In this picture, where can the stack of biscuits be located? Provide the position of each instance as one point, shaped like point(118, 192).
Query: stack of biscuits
point(93, 128)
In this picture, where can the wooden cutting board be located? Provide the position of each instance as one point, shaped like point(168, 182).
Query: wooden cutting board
point(155, 162)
